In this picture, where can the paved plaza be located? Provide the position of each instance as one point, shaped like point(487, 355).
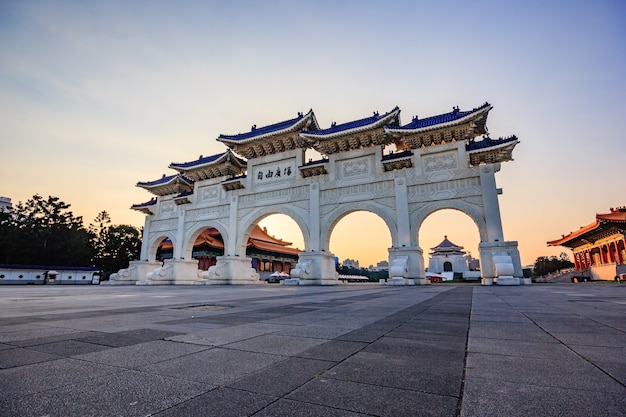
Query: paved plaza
point(345, 350)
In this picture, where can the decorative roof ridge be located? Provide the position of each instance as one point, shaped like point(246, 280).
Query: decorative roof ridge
point(165, 180)
point(487, 143)
point(581, 231)
point(207, 160)
point(260, 234)
point(447, 244)
point(442, 120)
point(273, 129)
point(353, 126)
point(151, 202)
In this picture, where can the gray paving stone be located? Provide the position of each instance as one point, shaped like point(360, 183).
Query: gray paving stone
point(563, 373)
point(519, 348)
point(10, 358)
point(222, 402)
point(215, 366)
point(536, 350)
point(615, 339)
point(141, 354)
point(290, 408)
point(334, 350)
point(486, 397)
point(276, 344)
point(283, 377)
point(68, 348)
point(30, 379)
point(126, 393)
point(436, 376)
point(375, 400)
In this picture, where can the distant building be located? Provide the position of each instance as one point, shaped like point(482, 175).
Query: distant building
point(268, 253)
point(381, 266)
point(600, 247)
point(447, 257)
point(5, 204)
point(351, 263)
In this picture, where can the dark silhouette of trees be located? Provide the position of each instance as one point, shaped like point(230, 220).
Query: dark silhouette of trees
point(547, 264)
point(45, 232)
point(115, 245)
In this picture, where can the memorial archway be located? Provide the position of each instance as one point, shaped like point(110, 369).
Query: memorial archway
point(443, 161)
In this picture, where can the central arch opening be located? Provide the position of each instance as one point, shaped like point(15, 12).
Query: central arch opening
point(450, 240)
point(360, 241)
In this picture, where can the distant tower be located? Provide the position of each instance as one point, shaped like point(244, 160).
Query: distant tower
point(447, 257)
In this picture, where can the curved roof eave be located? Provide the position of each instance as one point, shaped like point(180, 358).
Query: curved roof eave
point(484, 109)
point(382, 121)
point(209, 160)
point(298, 123)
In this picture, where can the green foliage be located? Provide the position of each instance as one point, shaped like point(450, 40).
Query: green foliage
point(547, 264)
point(115, 245)
point(45, 232)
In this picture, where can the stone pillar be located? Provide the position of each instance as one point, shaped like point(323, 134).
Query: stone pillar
point(230, 248)
point(136, 271)
point(314, 268)
point(491, 263)
point(180, 236)
point(232, 270)
point(144, 240)
point(490, 202)
point(314, 218)
point(402, 212)
point(406, 266)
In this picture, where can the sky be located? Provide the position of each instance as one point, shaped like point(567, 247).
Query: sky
point(98, 95)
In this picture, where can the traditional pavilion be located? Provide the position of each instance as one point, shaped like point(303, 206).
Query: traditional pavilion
point(447, 257)
point(268, 253)
point(600, 247)
point(210, 208)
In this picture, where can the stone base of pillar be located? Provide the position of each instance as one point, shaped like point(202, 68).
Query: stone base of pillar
point(315, 268)
point(232, 270)
point(500, 260)
point(173, 272)
point(290, 281)
point(135, 272)
point(406, 266)
point(400, 281)
point(526, 281)
point(507, 280)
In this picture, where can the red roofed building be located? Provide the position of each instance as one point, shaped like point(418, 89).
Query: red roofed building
point(599, 247)
point(268, 253)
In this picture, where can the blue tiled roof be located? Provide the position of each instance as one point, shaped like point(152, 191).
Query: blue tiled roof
point(164, 180)
point(146, 204)
point(205, 160)
point(488, 143)
point(277, 127)
point(336, 128)
point(200, 161)
point(455, 114)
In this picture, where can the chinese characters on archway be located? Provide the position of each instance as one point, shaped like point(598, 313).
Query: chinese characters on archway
point(273, 173)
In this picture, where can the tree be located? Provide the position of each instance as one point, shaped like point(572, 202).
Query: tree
point(114, 246)
point(547, 264)
point(44, 231)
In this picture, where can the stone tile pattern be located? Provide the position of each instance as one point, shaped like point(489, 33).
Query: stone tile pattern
point(353, 350)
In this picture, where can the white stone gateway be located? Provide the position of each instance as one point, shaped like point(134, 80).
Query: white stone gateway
point(402, 173)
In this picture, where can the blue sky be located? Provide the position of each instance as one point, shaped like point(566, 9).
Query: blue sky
point(95, 96)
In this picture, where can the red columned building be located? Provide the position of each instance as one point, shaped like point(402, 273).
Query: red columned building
point(599, 247)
